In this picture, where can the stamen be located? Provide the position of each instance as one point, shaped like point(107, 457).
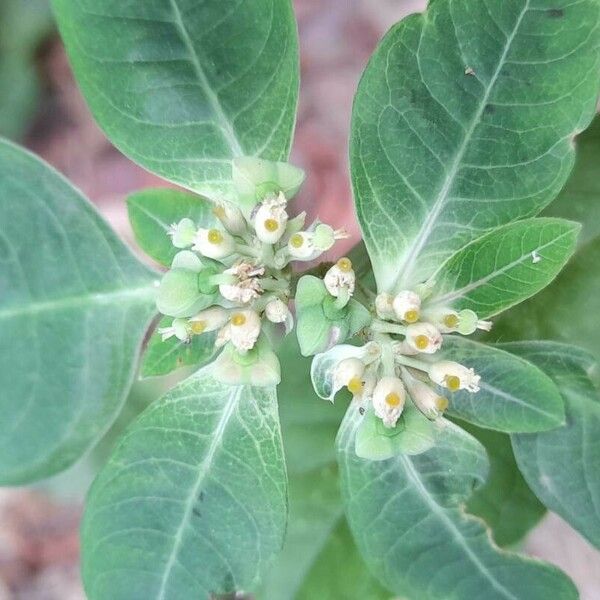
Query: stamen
point(198, 327)
point(271, 225)
point(297, 241)
point(238, 319)
point(344, 264)
point(421, 342)
point(355, 386)
point(452, 382)
point(411, 316)
point(215, 236)
point(451, 320)
point(392, 399)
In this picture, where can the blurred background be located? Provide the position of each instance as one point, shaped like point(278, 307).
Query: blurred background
point(41, 108)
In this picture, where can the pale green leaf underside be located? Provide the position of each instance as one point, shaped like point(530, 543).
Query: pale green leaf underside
point(504, 502)
point(407, 518)
point(515, 396)
point(505, 266)
point(464, 121)
point(153, 211)
point(164, 356)
point(74, 306)
point(182, 86)
point(562, 465)
point(193, 500)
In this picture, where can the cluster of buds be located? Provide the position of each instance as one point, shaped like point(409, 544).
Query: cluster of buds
point(232, 273)
point(401, 363)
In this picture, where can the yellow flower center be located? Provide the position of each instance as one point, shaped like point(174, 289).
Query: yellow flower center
point(215, 236)
point(355, 386)
point(344, 264)
point(198, 327)
point(297, 241)
point(393, 400)
point(411, 316)
point(421, 342)
point(238, 319)
point(271, 225)
point(452, 382)
point(441, 403)
point(451, 320)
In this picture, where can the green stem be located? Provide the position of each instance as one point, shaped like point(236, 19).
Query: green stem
point(412, 362)
point(385, 327)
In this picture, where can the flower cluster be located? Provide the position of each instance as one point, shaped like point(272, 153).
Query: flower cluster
point(232, 275)
point(400, 360)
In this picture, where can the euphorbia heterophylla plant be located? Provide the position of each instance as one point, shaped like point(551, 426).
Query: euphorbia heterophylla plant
point(462, 132)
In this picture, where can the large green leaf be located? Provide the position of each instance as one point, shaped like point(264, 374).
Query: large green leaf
point(407, 519)
point(193, 500)
point(515, 396)
point(579, 200)
point(74, 307)
point(182, 86)
point(153, 211)
point(505, 266)
point(504, 502)
point(566, 311)
point(464, 121)
point(562, 466)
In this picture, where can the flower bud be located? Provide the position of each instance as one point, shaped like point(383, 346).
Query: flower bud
point(231, 218)
point(423, 337)
point(179, 328)
point(214, 243)
point(349, 373)
point(270, 219)
point(389, 397)
point(300, 246)
point(277, 311)
point(384, 306)
point(182, 233)
point(454, 376)
point(407, 306)
point(432, 405)
point(209, 319)
point(340, 276)
point(244, 329)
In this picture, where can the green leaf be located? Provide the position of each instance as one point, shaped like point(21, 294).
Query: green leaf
point(407, 518)
point(561, 466)
point(578, 200)
point(153, 211)
point(74, 307)
point(192, 501)
point(565, 311)
point(464, 121)
point(163, 357)
point(183, 87)
point(504, 502)
point(515, 396)
point(505, 267)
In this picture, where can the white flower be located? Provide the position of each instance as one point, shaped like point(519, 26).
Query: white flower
point(349, 373)
point(270, 219)
point(384, 305)
point(389, 396)
point(407, 306)
point(214, 243)
point(454, 376)
point(179, 328)
point(432, 405)
point(247, 287)
point(232, 218)
point(340, 276)
point(465, 322)
point(300, 246)
point(208, 320)
point(423, 337)
point(182, 233)
point(277, 311)
point(244, 329)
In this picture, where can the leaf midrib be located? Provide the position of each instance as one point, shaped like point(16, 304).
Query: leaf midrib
point(420, 239)
point(211, 96)
point(203, 469)
point(146, 292)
